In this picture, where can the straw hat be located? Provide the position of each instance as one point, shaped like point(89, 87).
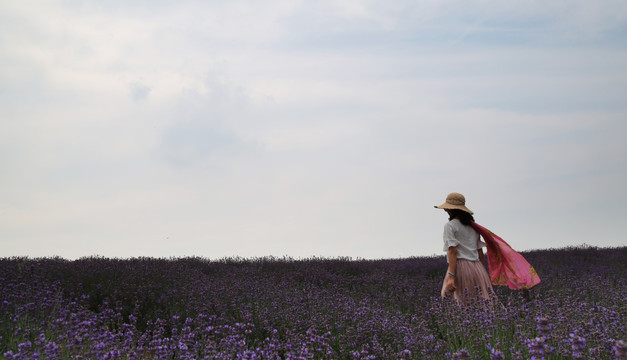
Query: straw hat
point(455, 201)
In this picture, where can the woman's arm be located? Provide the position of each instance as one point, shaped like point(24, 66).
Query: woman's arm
point(452, 267)
point(481, 257)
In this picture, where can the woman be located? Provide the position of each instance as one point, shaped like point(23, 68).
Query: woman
point(466, 277)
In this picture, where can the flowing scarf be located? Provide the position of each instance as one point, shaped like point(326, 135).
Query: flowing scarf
point(507, 267)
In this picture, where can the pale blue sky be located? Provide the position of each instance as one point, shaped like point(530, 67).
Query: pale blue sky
point(299, 128)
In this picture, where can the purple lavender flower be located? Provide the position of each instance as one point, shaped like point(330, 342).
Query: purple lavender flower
point(284, 309)
point(620, 350)
point(536, 348)
point(516, 354)
point(496, 355)
point(461, 355)
point(578, 345)
point(543, 326)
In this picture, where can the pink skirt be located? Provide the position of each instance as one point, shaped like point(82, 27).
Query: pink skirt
point(471, 281)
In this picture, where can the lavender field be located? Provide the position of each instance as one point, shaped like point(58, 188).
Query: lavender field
point(281, 308)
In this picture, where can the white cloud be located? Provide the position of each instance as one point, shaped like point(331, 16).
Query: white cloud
point(236, 128)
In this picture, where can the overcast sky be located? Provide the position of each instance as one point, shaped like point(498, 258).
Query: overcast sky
point(308, 128)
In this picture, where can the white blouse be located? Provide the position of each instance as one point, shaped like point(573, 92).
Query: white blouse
point(464, 237)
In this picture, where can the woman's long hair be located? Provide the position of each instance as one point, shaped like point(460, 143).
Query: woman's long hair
point(464, 217)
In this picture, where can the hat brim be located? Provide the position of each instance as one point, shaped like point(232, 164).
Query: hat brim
point(447, 206)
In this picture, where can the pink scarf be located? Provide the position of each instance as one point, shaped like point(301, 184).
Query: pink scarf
point(507, 267)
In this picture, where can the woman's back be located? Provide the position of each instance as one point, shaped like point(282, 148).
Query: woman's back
point(464, 237)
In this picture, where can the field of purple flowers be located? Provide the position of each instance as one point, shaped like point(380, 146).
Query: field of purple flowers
point(281, 308)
